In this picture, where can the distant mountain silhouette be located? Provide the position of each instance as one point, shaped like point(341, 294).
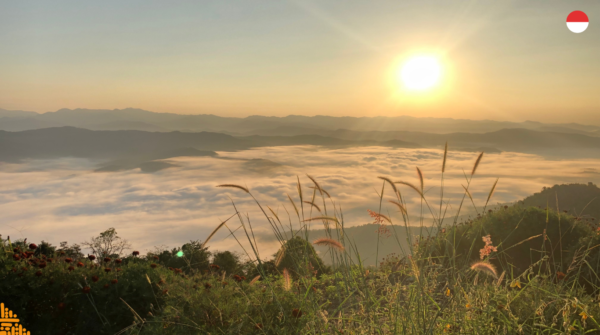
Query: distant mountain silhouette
point(138, 119)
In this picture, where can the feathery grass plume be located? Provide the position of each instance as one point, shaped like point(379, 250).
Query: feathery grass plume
point(235, 186)
point(491, 193)
point(312, 204)
point(215, 231)
point(316, 184)
point(486, 268)
point(444, 162)
point(254, 280)
point(280, 255)
point(399, 205)
point(329, 242)
point(287, 280)
point(293, 204)
point(327, 218)
point(411, 186)
point(500, 279)
point(389, 181)
point(420, 178)
point(275, 214)
point(476, 163)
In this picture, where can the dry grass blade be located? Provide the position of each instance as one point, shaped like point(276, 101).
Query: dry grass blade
point(384, 217)
point(411, 186)
point(476, 163)
point(287, 280)
point(293, 204)
point(321, 190)
point(420, 178)
point(445, 155)
point(329, 242)
point(327, 218)
point(399, 205)
point(525, 240)
point(254, 280)
point(316, 184)
point(312, 204)
point(235, 186)
point(468, 193)
point(491, 192)
point(280, 255)
point(486, 268)
point(389, 181)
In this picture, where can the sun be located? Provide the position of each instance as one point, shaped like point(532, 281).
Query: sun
point(420, 73)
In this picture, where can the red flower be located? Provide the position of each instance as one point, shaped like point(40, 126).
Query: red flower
point(42, 265)
point(207, 285)
point(118, 261)
point(68, 260)
point(178, 270)
point(118, 269)
point(49, 260)
point(155, 257)
point(107, 259)
point(28, 254)
point(106, 286)
point(80, 265)
point(215, 266)
point(16, 257)
point(38, 273)
point(296, 313)
point(560, 275)
point(114, 281)
point(86, 289)
point(237, 278)
point(107, 270)
point(160, 282)
point(71, 268)
point(170, 268)
point(33, 246)
point(62, 253)
point(62, 305)
point(258, 326)
point(136, 253)
point(16, 250)
point(153, 265)
point(95, 279)
point(165, 291)
point(91, 257)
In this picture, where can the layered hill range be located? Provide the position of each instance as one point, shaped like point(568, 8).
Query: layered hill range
point(129, 137)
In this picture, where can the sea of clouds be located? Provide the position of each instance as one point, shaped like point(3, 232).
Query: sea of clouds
point(65, 200)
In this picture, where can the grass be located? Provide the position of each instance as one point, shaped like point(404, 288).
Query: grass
point(537, 276)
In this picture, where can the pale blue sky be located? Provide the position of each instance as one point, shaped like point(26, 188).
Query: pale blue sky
point(502, 60)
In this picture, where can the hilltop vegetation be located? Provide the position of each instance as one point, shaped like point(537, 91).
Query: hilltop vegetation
point(581, 200)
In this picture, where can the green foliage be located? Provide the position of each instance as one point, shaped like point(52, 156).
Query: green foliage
point(227, 261)
point(194, 257)
point(300, 258)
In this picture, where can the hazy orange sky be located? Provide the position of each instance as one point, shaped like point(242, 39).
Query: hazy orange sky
point(502, 60)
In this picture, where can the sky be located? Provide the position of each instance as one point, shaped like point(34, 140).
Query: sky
point(64, 200)
point(501, 60)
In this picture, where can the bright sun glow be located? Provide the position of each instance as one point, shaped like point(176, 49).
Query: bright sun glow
point(420, 73)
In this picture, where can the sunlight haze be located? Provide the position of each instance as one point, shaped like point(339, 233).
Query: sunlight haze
point(506, 60)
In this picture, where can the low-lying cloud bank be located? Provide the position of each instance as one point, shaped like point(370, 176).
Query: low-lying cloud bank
point(64, 200)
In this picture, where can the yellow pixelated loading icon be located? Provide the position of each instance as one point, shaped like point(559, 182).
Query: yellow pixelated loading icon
point(9, 324)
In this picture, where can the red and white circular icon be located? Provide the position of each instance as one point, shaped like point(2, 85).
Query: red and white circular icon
point(577, 21)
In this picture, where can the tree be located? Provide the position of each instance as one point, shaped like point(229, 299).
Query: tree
point(227, 260)
point(300, 258)
point(190, 257)
point(107, 244)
